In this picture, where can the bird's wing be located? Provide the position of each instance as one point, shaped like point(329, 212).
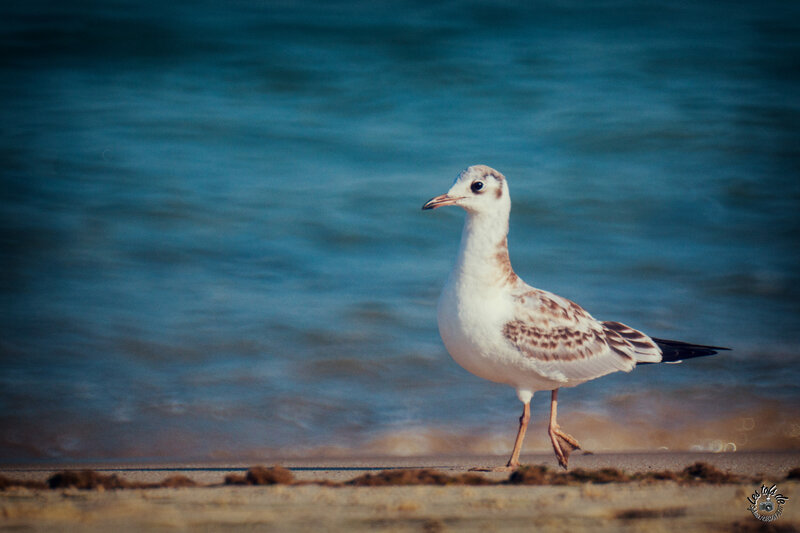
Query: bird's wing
point(564, 343)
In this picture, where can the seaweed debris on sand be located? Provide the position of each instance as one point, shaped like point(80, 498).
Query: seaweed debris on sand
point(696, 473)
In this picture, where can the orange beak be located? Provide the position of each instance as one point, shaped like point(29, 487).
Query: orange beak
point(440, 201)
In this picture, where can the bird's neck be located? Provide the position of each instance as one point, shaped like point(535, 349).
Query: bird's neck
point(483, 256)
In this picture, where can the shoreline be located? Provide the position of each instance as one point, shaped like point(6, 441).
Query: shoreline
point(585, 506)
point(773, 464)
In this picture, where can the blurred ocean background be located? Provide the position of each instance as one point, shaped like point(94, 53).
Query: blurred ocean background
point(212, 245)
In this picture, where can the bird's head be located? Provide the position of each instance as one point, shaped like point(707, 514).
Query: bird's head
point(478, 190)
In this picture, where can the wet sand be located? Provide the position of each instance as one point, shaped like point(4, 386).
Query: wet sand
point(628, 506)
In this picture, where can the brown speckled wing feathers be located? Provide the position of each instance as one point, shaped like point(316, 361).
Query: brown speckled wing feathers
point(565, 343)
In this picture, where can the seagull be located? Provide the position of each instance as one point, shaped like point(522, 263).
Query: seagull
point(500, 328)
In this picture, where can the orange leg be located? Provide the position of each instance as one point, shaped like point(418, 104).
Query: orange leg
point(563, 443)
point(513, 462)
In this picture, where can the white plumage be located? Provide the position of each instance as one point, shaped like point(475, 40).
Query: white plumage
point(500, 328)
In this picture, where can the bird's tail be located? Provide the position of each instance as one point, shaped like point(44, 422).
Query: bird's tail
point(676, 351)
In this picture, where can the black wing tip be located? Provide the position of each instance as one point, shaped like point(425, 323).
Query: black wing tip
point(673, 351)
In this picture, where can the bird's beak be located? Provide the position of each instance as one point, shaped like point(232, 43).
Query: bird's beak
point(441, 200)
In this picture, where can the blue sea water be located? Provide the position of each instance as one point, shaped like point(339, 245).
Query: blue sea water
point(212, 243)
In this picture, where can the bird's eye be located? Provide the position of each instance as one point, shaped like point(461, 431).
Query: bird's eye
point(477, 186)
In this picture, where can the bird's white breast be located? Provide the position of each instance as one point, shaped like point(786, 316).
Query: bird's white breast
point(471, 319)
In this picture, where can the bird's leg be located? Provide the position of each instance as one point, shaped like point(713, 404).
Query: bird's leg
point(513, 462)
point(563, 443)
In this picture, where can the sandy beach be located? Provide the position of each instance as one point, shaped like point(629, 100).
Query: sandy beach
point(626, 506)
